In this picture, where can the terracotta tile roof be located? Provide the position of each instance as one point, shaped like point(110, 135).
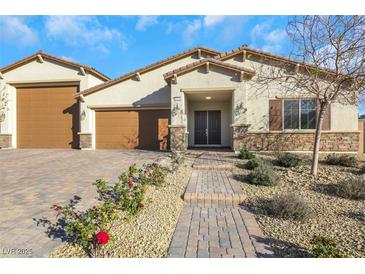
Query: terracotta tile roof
point(226, 55)
point(53, 58)
point(202, 62)
point(150, 67)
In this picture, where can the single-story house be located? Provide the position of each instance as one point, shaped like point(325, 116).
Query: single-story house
point(200, 97)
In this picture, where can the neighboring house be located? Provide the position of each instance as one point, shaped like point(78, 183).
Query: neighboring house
point(200, 97)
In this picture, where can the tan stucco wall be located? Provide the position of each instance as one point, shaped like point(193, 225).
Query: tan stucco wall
point(151, 90)
point(36, 72)
point(343, 117)
point(216, 80)
point(226, 117)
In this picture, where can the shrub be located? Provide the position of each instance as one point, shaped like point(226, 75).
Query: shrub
point(254, 163)
point(290, 206)
point(127, 193)
point(263, 175)
point(326, 247)
point(341, 160)
point(352, 189)
point(288, 160)
point(153, 174)
point(89, 228)
point(362, 169)
point(245, 154)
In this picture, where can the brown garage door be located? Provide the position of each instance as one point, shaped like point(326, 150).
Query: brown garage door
point(143, 129)
point(47, 117)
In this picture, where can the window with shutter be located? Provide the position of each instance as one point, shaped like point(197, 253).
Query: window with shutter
point(275, 115)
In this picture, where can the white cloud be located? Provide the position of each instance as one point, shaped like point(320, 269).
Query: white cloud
point(146, 21)
point(191, 31)
point(83, 30)
point(14, 30)
point(213, 20)
point(270, 40)
point(276, 36)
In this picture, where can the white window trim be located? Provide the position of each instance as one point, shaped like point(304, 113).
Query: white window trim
point(300, 115)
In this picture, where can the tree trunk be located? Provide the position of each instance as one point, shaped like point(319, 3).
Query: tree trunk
point(317, 140)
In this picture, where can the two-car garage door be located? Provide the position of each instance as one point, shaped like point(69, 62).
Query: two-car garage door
point(142, 129)
point(48, 117)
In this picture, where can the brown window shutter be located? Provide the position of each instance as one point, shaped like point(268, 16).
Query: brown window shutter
point(275, 115)
point(327, 119)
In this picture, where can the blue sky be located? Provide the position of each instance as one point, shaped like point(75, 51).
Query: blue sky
point(118, 44)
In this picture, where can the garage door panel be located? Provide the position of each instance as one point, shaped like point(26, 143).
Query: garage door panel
point(47, 117)
point(144, 129)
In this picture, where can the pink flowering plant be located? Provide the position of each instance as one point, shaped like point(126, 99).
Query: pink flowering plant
point(90, 228)
point(127, 193)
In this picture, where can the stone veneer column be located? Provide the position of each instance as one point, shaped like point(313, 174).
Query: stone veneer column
point(239, 132)
point(5, 140)
point(85, 140)
point(178, 138)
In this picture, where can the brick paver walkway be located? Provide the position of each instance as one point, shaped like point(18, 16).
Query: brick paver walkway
point(213, 224)
point(31, 180)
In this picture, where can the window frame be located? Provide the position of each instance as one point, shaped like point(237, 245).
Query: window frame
point(300, 114)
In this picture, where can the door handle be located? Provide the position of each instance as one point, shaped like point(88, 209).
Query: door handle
point(206, 132)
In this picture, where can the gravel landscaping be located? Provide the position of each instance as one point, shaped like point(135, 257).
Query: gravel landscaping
point(148, 234)
point(333, 216)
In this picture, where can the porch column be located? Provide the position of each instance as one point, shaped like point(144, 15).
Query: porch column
point(239, 132)
point(178, 140)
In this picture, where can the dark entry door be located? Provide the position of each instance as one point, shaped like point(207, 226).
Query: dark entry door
point(207, 127)
point(214, 127)
point(201, 136)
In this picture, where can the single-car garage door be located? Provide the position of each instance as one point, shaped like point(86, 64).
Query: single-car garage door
point(143, 129)
point(47, 117)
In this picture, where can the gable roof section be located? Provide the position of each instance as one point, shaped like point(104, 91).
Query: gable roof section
point(214, 62)
point(229, 54)
point(148, 68)
point(46, 56)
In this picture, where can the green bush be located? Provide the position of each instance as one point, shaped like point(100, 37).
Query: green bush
point(341, 160)
point(263, 175)
point(290, 206)
point(362, 169)
point(326, 247)
point(352, 189)
point(153, 174)
point(288, 160)
point(245, 154)
point(254, 163)
point(83, 227)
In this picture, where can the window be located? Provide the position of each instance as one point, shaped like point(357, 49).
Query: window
point(300, 114)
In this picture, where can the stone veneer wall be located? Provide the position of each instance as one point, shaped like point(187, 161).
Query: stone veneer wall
point(85, 140)
point(330, 141)
point(5, 140)
point(178, 138)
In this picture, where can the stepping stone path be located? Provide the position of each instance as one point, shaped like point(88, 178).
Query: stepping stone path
point(213, 224)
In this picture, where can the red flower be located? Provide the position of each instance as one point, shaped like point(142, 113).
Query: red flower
point(130, 184)
point(56, 207)
point(141, 205)
point(102, 238)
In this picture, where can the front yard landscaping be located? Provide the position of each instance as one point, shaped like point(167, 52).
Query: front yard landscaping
point(148, 232)
point(300, 210)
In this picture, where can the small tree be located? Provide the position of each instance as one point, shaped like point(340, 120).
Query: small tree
point(329, 54)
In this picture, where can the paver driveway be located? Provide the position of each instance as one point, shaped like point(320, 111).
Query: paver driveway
point(31, 180)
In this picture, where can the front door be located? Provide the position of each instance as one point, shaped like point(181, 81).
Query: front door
point(207, 127)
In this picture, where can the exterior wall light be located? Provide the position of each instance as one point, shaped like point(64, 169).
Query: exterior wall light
point(83, 115)
point(208, 97)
